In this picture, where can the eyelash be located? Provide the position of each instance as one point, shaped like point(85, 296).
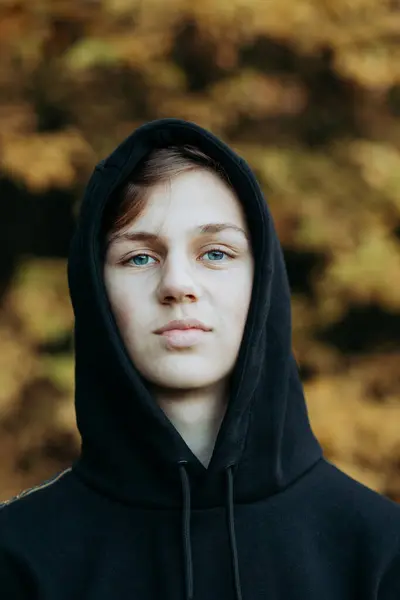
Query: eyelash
point(230, 256)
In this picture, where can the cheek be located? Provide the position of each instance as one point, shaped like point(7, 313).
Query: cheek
point(234, 314)
point(123, 316)
point(237, 297)
point(122, 301)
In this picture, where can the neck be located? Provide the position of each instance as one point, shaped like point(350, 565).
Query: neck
point(197, 415)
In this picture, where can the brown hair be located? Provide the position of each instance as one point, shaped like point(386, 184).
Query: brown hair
point(158, 166)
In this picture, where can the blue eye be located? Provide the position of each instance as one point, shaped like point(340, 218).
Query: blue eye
point(216, 252)
point(140, 262)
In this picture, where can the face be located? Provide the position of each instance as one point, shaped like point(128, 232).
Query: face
point(166, 265)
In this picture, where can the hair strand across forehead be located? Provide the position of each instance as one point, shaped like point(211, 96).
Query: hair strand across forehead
point(160, 165)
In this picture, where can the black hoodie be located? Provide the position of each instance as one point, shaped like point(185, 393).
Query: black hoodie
point(137, 515)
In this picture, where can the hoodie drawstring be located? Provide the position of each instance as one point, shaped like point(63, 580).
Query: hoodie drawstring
point(232, 534)
point(186, 534)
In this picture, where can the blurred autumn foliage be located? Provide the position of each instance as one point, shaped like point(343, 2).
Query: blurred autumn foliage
point(309, 92)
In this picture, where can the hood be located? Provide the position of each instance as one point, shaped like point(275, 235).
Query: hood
point(130, 449)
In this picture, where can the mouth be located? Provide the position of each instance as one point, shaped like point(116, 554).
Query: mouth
point(184, 333)
point(183, 338)
point(182, 325)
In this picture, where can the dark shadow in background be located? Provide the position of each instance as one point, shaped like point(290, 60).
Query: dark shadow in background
point(38, 225)
point(299, 266)
point(320, 122)
point(393, 100)
point(196, 57)
point(364, 330)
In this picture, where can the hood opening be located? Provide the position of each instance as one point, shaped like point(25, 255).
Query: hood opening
point(130, 449)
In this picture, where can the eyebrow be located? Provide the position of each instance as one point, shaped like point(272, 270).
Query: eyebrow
point(208, 228)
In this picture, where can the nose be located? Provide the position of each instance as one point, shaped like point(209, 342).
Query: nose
point(177, 283)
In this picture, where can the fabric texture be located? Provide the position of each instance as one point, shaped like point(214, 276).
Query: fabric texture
point(138, 515)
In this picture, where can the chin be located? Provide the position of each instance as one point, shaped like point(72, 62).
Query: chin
point(184, 373)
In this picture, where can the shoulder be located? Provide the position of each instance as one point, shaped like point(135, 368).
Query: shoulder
point(389, 586)
point(35, 514)
point(366, 508)
point(358, 517)
point(44, 485)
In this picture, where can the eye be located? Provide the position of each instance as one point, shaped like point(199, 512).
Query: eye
point(217, 254)
point(138, 260)
point(143, 259)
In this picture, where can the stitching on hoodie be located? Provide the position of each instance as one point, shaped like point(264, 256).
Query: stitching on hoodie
point(35, 488)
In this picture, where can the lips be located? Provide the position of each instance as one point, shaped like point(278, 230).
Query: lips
point(183, 338)
point(184, 333)
point(182, 325)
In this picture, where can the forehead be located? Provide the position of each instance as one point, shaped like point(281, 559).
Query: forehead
point(189, 199)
